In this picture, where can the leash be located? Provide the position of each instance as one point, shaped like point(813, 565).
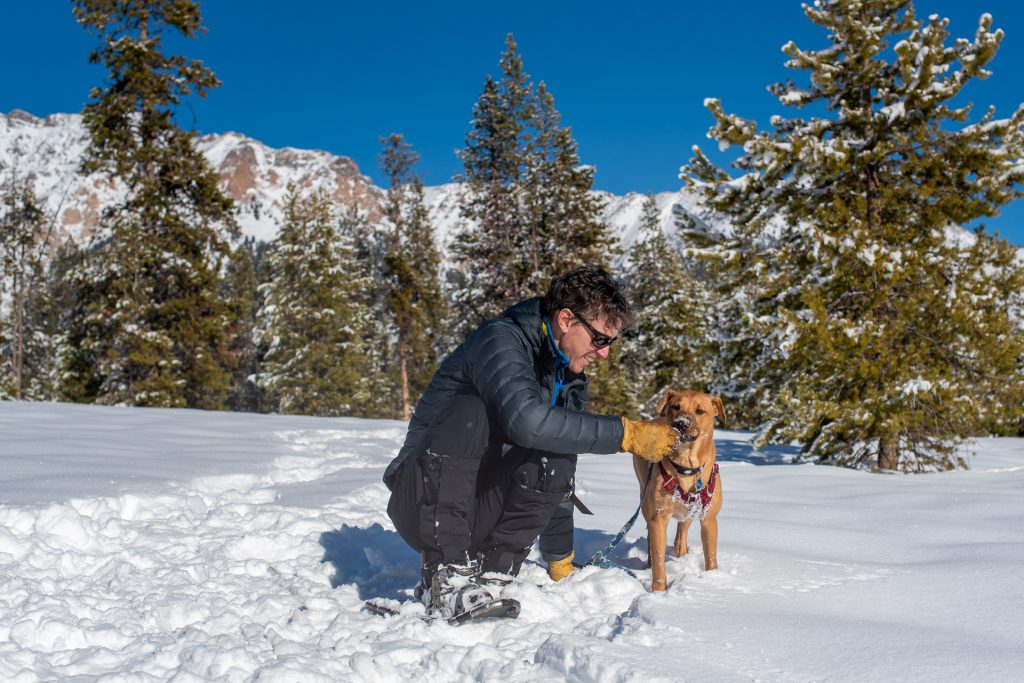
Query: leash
point(600, 558)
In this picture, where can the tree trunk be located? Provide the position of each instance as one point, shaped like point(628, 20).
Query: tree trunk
point(18, 359)
point(888, 453)
point(404, 370)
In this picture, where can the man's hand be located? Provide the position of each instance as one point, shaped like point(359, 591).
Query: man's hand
point(651, 441)
point(559, 569)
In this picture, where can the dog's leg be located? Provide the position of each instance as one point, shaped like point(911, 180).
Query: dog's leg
point(680, 545)
point(657, 539)
point(709, 538)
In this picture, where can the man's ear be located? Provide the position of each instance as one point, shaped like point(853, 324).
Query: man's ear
point(663, 403)
point(719, 407)
point(562, 320)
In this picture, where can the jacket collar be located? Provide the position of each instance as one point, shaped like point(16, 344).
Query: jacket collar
point(561, 360)
point(528, 317)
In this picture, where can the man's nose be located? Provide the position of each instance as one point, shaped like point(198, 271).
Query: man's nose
point(603, 352)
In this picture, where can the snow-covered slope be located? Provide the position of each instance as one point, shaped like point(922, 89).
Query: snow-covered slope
point(49, 151)
point(256, 176)
point(142, 544)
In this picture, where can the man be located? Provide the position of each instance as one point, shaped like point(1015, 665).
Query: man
point(489, 460)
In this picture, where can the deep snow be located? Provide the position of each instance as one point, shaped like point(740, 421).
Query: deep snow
point(150, 545)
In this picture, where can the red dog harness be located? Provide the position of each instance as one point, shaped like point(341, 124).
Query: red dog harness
point(703, 493)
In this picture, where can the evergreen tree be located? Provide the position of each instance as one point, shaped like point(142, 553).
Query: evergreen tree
point(878, 334)
point(526, 194)
point(412, 262)
point(23, 232)
point(49, 307)
point(563, 213)
point(494, 258)
point(309, 321)
point(240, 291)
point(149, 325)
point(668, 347)
point(379, 390)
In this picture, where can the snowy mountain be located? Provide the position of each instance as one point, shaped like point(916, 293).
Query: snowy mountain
point(254, 175)
point(158, 545)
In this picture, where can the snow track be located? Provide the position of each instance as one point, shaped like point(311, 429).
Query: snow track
point(255, 567)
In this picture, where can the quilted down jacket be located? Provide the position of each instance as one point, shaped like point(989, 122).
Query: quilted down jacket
point(511, 364)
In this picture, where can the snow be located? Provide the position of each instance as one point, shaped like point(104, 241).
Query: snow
point(894, 111)
point(915, 386)
point(150, 545)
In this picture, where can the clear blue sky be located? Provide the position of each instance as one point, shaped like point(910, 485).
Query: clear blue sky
point(630, 78)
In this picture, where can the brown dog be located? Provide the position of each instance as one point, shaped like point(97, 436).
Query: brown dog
point(685, 484)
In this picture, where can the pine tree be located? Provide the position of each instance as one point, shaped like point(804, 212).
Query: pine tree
point(378, 396)
point(240, 291)
point(668, 347)
point(309, 322)
point(49, 307)
point(149, 325)
point(563, 213)
point(494, 258)
point(879, 333)
point(527, 197)
point(415, 302)
point(23, 234)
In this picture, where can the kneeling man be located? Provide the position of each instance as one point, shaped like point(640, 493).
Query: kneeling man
point(489, 461)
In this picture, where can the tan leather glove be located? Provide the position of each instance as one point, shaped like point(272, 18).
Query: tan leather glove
point(559, 569)
point(651, 441)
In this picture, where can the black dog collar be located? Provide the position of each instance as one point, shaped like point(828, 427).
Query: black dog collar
point(687, 471)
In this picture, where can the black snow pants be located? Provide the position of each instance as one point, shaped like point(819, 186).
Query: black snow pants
point(463, 493)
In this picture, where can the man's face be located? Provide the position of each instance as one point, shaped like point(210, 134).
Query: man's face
point(577, 342)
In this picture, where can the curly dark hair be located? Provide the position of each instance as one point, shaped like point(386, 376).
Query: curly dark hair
point(591, 292)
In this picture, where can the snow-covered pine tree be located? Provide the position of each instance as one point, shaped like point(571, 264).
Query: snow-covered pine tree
point(882, 330)
point(23, 236)
point(239, 290)
point(412, 272)
point(48, 308)
point(309, 321)
point(149, 325)
point(378, 392)
point(563, 214)
point(496, 258)
point(670, 344)
point(527, 195)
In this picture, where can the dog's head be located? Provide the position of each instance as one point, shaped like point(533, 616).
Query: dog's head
point(693, 415)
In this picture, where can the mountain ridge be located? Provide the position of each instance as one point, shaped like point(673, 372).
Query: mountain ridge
point(256, 176)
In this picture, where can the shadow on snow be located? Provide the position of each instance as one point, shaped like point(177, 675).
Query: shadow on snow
point(742, 451)
point(376, 560)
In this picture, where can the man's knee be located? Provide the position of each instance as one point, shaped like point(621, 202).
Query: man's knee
point(553, 473)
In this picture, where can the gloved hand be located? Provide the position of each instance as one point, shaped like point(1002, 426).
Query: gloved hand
point(650, 440)
point(559, 569)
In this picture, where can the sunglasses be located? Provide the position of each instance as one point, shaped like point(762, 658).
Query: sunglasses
point(599, 340)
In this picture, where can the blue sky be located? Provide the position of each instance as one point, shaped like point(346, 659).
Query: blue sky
point(630, 78)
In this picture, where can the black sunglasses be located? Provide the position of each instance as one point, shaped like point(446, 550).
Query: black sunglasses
point(598, 339)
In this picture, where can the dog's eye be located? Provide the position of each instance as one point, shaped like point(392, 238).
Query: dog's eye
point(701, 411)
point(675, 407)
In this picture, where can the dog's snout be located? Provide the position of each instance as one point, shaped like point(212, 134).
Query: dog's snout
point(686, 425)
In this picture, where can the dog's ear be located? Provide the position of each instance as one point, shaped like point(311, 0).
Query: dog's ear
point(663, 403)
point(719, 407)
